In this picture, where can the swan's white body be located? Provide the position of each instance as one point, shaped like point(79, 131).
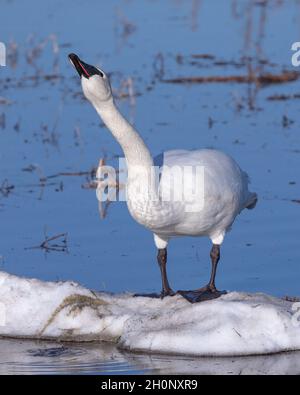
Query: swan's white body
point(226, 191)
point(224, 196)
point(206, 211)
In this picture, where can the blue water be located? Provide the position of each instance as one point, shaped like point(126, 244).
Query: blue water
point(131, 39)
point(28, 357)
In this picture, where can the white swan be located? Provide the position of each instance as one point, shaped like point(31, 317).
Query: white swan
point(225, 193)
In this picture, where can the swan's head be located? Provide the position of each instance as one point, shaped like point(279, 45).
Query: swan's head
point(95, 84)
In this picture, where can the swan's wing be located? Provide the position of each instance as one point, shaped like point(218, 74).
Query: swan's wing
point(225, 183)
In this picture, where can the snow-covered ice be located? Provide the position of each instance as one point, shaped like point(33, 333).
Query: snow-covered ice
point(235, 324)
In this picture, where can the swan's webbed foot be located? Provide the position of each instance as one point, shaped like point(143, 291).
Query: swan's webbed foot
point(167, 292)
point(210, 291)
point(162, 295)
point(202, 294)
point(152, 295)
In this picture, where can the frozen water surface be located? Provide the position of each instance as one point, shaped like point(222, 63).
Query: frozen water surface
point(237, 324)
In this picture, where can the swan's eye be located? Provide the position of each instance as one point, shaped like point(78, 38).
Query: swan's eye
point(100, 72)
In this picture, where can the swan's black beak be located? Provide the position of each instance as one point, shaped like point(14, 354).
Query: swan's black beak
point(83, 68)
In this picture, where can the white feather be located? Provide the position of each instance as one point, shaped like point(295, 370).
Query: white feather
point(225, 191)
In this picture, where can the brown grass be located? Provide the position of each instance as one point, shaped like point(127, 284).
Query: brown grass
point(264, 79)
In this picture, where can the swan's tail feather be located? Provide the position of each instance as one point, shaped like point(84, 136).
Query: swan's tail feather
point(252, 198)
point(252, 201)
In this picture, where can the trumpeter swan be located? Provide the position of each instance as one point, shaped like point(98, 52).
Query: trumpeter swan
point(223, 196)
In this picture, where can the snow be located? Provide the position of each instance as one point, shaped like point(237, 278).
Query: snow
point(234, 325)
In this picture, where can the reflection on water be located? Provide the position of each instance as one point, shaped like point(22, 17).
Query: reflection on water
point(28, 357)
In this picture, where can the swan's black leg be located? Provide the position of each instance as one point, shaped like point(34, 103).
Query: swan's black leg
point(162, 261)
point(166, 289)
point(215, 255)
point(209, 291)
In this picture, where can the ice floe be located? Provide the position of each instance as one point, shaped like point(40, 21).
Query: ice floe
point(234, 325)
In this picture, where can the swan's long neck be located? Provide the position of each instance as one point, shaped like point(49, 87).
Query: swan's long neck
point(140, 187)
point(134, 148)
point(143, 199)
